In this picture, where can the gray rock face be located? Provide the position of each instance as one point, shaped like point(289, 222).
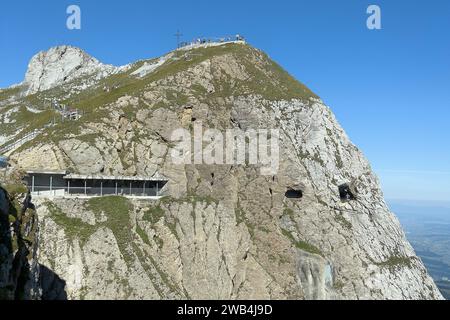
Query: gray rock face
point(222, 231)
point(19, 268)
point(60, 65)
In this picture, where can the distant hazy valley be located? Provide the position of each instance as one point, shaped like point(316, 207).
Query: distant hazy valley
point(427, 226)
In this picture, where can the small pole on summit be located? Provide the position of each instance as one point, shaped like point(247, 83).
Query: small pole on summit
point(178, 35)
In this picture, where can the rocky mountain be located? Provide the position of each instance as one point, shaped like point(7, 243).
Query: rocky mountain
point(58, 65)
point(220, 231)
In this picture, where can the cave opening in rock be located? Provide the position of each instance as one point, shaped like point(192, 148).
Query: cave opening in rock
point(346, 193)
point(294, 194)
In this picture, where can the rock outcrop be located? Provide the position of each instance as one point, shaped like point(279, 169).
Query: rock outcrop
point(60, 65)
point(19, 269)
point(221, 231)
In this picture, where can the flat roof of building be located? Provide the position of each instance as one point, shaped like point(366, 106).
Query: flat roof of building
point(117, 178)
point(56, 172)
point(70, 176)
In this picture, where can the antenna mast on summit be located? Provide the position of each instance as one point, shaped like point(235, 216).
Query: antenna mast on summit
point(178, 35)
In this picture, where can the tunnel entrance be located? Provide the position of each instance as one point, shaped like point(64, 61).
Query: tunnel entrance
point(294, 194)
point(345, 193)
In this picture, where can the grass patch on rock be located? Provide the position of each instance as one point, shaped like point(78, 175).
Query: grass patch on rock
point(143, 235)
point(153, 214)
point(395, 261)
point(15, 189)
point(302, 245)
point(73, 227)
point(117, 210)
point(343, 222)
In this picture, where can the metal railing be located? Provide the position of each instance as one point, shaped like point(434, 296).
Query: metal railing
point(205, 41)
point(18, 143)
point(94, 191)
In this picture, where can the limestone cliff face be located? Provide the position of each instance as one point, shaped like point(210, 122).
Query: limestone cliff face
point(19, 270)
point(59, 65)
point(221, 231)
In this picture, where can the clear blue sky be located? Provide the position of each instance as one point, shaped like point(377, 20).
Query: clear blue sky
point(390, 89)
